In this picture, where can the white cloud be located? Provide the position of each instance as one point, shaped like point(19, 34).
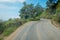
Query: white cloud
point(21, 1)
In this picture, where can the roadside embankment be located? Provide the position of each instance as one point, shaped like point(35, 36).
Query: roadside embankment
point(57, 25)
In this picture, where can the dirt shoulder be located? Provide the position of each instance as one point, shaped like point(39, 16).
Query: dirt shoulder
point(57, 25)
point(15, 32)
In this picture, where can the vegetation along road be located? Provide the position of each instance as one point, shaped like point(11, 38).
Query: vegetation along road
point(37, 30)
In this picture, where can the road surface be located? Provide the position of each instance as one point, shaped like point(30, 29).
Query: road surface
point(37, 30)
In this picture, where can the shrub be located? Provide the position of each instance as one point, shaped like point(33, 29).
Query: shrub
point(9, 30)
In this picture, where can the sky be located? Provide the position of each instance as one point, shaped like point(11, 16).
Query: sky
point(10, 8)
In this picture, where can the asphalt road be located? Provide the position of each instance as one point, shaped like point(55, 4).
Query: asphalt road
point(38, 30)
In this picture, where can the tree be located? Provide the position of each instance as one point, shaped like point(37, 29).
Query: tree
point(29, 11)
point(26, 11)
point(57, 14)
point(51, 4)
point(1, 26)
point(54, 9)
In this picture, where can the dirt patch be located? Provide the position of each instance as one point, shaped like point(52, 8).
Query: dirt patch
point(57, 25)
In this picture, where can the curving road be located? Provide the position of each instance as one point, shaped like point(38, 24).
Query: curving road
point(37, 30)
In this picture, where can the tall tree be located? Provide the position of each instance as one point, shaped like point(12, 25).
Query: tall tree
point(26, 11)
point(51, 4)
point(29, 11)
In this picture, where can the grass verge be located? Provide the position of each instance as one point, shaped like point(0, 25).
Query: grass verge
point(8, 31)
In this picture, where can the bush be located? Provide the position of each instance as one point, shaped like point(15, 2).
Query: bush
point(7, 27)
point(56, 18)
point(12, 25)
point(1, 27)
point(9, 30)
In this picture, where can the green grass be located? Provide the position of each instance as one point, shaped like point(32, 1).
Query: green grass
point(8, 31)
point(1, 38)
point(43, 15)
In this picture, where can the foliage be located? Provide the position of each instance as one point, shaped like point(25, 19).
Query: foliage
point(7, 27)
point(51, 4)
point(9, 30)
point(57, 14)
point(54, 9)
point(1, 27)
point(1, 38)
point(29, 11)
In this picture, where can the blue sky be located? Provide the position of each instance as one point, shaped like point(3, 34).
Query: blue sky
point(10, 8)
